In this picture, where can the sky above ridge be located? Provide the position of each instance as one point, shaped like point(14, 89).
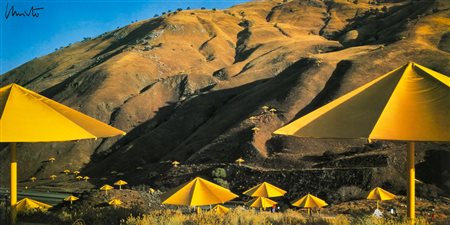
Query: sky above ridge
point(35, 28)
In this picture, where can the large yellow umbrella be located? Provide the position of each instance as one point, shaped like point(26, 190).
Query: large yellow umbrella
point(380, 194)
point(26, 116)
point(198, 192)
point(260, 202)
point(265, 190)
point(309, 201)
point(410, 103)
point(220, 209)
point(29, 204)
point(120, 183)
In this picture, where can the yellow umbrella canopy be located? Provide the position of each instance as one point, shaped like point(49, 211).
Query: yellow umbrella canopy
point(410, 103)
point(106, 187)
point(220, 209)
point(70, 199)
point(310, 201)
point(265, 190)
point(380, 194)
point(120, 183)
point(115, 202)
point(260, 202)
point(26, 116)
point(198, 192)
point(29, 204)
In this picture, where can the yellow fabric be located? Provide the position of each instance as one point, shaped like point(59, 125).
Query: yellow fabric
point(220, 209)
point(115, 202)
point(411, 103)
point(265, 190)
point(70, 198)
point(380, 194)
point(26, 116)
point(29, 204)
point(198, 192)
point(260, 202)
point(310, 201)
point(120, 182)
point(106, 187)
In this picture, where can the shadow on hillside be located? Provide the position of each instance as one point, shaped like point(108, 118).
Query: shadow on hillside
point(194, 123)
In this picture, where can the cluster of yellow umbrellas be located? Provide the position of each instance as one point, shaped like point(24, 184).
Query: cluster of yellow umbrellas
point(262, 192)
point(410, 103)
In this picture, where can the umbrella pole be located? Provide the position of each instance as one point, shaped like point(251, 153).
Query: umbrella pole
point(411, 177)
point(12, 147)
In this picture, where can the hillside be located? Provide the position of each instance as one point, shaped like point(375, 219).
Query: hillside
point(190, 86)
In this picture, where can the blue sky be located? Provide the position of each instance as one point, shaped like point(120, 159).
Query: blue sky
point(62, 22)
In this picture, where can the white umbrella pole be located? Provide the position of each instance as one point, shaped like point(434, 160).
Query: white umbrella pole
point(411, 187)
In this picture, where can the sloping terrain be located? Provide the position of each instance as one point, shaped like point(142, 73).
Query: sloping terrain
point(190, 86)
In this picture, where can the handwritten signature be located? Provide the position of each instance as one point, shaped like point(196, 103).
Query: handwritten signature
point(11, 11)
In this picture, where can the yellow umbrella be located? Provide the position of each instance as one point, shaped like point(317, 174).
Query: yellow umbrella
point(66, 171)
point(70, 199)
point(86, 178)
point(27, 204)
point(106, 188)
point(239, 161)
point(151, 190)
point(380, 194)
point(255, 129)
point(115, 202)
point(51, 159)
point(26, 116)
point(79, 177)
point(76, 172)
point(53, 177)
point(410, 103)
point(175, 163)
point(220, 209)
point(120, 183)
point(260, 202)
point(33, 179)
point(198, 192)
point(266, 190)
point(310, 201)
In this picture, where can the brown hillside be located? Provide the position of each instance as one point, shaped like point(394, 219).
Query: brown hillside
point(190, 86)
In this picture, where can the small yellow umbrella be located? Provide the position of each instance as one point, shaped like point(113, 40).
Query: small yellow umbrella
point(51, 159)
point(265, 108)
point(79, 177)
point(175, 163)
point(53, 177)
point(255, 129)
point(86, 178)
point(120, 183)
point(27, 204)
point(106, 188)
point(66, 171)
point(115, 202)
point(380, 194)
point(272, 110)
point(33, 179)
point(239, 161)
point(266, 190)
point(71, 199)
point(261, 203)
point(76, 172)
point(198, 192)
point(151, 190)
point(220, 209)
point(309, 201)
